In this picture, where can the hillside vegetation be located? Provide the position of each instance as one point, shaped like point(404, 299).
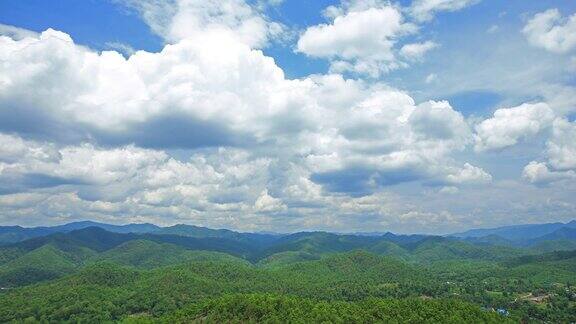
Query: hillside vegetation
point(93, 275)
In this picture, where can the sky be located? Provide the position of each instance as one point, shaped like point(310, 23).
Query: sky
point(410, 116)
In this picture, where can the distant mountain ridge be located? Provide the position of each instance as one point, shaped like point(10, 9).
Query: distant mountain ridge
point(58, 254)
point(517, 232)
point(61, 250)
point(150, 265)
point(508, 236)
point(14, 234)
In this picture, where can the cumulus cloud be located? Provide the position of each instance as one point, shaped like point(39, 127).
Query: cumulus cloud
point(388, 140)
point(493, 29)
point(220, 93)
point(510, 125)
point(431, 78)
point(95, 138)
point(350, 41)
point(14, 148)
point(424, 10)
point(561, 148)
point(264, 145)
point(416, 51)
point(551, 31)
point(175, 20)
point(560, 155)
point(239, 189)
point(469, 174)
point(539, 173)
point(268, 204)
point(131, 180)
point(16, 32)
point(186, 87)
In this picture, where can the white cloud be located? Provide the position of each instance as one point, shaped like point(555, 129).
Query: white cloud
point(416, 51)
point(351, 36)
point(268, 204)
point(386, 139)
point(493, 29)
point(560, 155)
point(14, 148)
point(236, 97)
point(232, 188)
point(469, 174)
point(301, 129)
point(424, 10)
point(175, 20)
point(438, 121)
point(431, 78)
point(320, 148)
point(539, 173)
point(21, 200)
point(509, 125)
point(348, 40)
point(78, 91)
point(551, 31)
point(450, 190)
point(561, 148)
point(351, 42)
point(16, 32)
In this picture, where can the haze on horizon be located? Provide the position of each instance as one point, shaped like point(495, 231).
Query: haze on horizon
point(419, 116)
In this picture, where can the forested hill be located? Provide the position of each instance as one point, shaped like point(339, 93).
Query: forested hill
point(89, 272)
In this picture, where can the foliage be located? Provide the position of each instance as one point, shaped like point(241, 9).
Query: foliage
point(265, 308)
point(92, 275)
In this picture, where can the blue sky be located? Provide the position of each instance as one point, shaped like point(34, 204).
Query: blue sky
point(409, 116)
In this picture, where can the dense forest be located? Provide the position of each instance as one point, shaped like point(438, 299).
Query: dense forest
point(89, 272)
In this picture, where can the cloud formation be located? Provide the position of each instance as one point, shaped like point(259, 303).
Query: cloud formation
point(210, 131)
point(98, 124)
point(424, 10)
point(416, 51)
point(15, 32)
point(540, 173)
point(350, 40)
point(175, 20)
point(510, 125)
point(551, 31)
point(560, 156)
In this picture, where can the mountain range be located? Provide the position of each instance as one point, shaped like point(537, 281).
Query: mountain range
point(29, 255)
point(516, 235)
point(175, 265)
point(517, 232)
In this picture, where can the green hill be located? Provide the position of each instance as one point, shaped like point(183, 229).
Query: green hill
point(350, 282)
point(318, 243)
point(389, 249)
point(9, 253)
point(286, 258)
point(100, 240)
point(365, 275)
point(428, 249)
point(255, 240)
point(440, 249)
point(554, 245)
point(147, 255)
point(93, 238)
point(265, 308)
point(91, 275)
point(45, 263)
